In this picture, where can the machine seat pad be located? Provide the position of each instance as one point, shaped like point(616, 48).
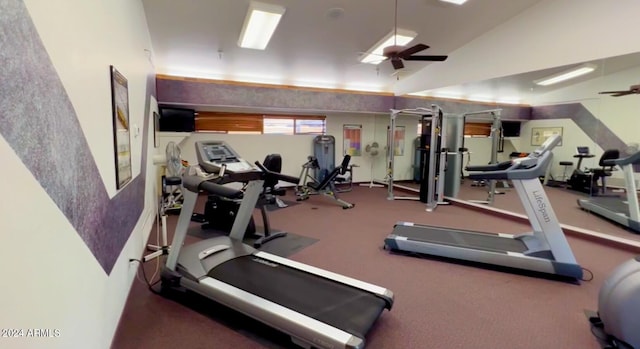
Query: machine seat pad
point(173, 180)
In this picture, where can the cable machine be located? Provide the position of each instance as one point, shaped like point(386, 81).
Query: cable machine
point(495, 135)
point(433, 158)
point(453, 128)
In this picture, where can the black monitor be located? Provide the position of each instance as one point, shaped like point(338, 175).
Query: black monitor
point(583, 150)
point(177, 119)
point(511, 128)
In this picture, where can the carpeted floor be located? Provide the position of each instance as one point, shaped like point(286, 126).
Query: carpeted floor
point(564, 204)
point(438, 304)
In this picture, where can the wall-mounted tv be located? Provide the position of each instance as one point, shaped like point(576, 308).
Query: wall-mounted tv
point(177, 119)
point(511, 128)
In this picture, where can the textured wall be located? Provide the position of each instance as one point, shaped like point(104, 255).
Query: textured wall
point(215, 94)
point(510, 112)
point(207, 93)
point(589, 123)
point(39, 122)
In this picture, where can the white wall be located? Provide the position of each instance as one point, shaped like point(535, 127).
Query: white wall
point(480, 150)
point(619, 114)
point(52, 279)
point(572, 137)
point(403, 164)
point(293, 149)
point(558, 32)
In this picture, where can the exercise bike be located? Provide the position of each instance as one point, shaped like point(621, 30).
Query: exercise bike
point(581, 179)
point(220, 212)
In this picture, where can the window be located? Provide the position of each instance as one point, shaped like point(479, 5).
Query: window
point(237, 123)
point(280, 126)
point(310, 126)
point(228, 122)
point(477, 129)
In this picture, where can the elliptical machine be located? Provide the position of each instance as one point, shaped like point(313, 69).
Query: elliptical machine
point(617, 323)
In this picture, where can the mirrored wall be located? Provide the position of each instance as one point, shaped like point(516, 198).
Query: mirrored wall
point(587, 120)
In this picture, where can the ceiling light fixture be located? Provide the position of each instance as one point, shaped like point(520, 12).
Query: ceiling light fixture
point(457, 2)
point(566, 75)
point(259, 24)
point(375, 54)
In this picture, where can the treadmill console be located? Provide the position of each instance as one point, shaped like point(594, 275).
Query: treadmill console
point(582, 151)
point(214, 155)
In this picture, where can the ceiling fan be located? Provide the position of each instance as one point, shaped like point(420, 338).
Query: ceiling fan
point(634, 89)
point(396, 54)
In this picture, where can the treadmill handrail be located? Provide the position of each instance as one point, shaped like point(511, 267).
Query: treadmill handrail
point(197, 183)
point(521, 168)
point(629, 160)
point(492, 167)
point(279, 176)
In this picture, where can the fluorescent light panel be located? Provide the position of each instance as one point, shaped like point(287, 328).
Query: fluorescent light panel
point(457, 2)
point(375, 54)
point(259, 24)
point(566, 75)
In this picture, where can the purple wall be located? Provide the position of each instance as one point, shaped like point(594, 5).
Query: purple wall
point(202, 93)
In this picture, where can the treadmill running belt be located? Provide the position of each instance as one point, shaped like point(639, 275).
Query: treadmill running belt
point(615, 205)
point(344, 307)
point(460, 238)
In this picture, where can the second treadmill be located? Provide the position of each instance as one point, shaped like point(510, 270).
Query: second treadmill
point(544, 250)
point(624, 212)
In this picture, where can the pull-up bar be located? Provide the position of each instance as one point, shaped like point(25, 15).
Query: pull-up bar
point(488, 111)
point(415, 111)
point(433, 111)
point(495, 139)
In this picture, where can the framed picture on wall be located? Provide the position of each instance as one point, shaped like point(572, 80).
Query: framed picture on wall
point(121, 127)
point(540, 134)
point(398, 137)
point(351, 140)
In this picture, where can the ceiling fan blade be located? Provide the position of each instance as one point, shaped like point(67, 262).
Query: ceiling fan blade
point(605, 92)
point(411, 50)
point(622, 93)
point(427, 58)
point(397, 63)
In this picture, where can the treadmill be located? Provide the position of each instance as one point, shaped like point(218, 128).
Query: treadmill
point(624, 212)
point(545, 250)
point(315, 307)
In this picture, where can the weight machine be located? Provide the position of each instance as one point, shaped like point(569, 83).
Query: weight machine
point(433, 156)
point(496, 136)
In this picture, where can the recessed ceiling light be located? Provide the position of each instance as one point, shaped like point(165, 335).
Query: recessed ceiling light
point(457, 2)
point(259, 24)
point(566, 75)
point(398, 37)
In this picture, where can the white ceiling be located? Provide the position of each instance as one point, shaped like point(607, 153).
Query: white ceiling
point(198, 38)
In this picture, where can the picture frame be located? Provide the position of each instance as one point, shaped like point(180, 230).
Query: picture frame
point(121, 127)
point(352, 140)
point(399, 138)
point(540, 134)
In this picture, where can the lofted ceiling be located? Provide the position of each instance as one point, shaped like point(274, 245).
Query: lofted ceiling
point(318, 42)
